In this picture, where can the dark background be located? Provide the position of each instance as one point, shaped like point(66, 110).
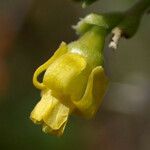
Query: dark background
point(30, 32)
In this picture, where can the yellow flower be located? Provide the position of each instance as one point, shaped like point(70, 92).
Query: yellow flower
point(74, 82)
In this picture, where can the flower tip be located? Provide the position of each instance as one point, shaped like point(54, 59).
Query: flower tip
point(62, 44)
point(33, 119)
point(57, 132)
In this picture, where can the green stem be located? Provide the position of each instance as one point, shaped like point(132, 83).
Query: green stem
point(131, 21)
point(139, 8)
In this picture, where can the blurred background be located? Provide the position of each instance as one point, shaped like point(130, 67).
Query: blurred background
point(30, 32)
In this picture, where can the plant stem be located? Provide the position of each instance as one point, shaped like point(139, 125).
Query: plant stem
point(130, 23)
point(139, 8)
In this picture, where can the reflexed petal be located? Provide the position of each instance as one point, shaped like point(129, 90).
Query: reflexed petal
point(60, 51)
point(95, 90)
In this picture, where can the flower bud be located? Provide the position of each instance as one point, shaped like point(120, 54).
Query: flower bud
point(74, 82)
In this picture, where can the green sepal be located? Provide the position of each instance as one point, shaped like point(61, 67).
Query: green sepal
point(91, 45)
point(107, 21)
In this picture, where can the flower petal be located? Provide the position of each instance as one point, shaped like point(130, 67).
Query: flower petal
point(51, 113)
point(61, 50)
point(42, 107)
point(56, 120)
point(62, 72)
point(49, 130)
point(95, 90)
